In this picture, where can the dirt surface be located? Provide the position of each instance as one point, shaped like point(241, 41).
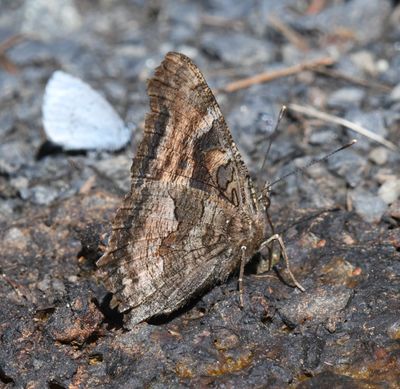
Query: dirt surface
point(340, 219)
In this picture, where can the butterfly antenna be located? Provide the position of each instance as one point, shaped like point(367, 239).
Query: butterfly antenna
point(311, 163)
point(271, 138)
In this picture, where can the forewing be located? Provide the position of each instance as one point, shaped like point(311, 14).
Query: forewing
point(186, 139)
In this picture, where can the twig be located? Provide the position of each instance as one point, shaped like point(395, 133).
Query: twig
point(218, 21)
point(10, 42)
point(279, 73)
point(291, 35)
point(309, 111)
point(354, 80)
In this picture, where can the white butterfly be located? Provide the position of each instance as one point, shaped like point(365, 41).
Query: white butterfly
point(77, 117)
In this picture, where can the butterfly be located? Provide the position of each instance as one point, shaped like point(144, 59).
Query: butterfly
point(77, 117)
point(192, 216)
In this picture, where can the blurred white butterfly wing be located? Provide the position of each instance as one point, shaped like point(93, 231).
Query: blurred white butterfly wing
point(77, 117)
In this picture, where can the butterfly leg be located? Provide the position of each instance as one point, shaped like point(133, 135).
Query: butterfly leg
point(278, 238)
point(241, 272)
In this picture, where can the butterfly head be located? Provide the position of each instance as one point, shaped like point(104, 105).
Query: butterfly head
point(264, 198)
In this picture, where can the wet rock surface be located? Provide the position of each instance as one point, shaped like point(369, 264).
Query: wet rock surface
point(340, 220)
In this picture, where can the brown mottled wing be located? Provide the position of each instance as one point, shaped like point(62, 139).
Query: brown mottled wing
point(186, 139)
point(191, 204)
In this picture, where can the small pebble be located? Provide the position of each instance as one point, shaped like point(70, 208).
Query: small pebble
point(395, 94)
point(365, 61)
point(379, 155)
point(345, 97)
point(322, 137)
point(382, 65)
point(41, 195)
point(373, 121)
point(394, 330)
point(394, 210)
point(370, 207)
point(248, 50)
point(389, 191)
point(47, 19)
point(317, 306)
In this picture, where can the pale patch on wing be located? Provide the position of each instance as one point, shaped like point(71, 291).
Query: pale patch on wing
point(77, 117)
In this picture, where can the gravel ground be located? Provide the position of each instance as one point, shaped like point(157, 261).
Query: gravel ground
point(340, 219)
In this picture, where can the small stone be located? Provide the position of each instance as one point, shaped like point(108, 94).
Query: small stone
point(365, 61)
point(19, 182)
point(389, 191)
point(316, 306)
point(115, 90)
point(225, 340)
point(350, 17)
point(370, 207)
point(73, 279)
point(30, 51)
point(13, 155)
point(248, 50)
point(394, 209)
point(350, 165)
point(379, 155)
point(8, 86)
point(6, 123)
point(322, 137)
point(58, 286)
point(44, 284)
point(48, 19)
point(373, 121)
point(117, 170)
point(41, 195)
point(395, 94)
point(15, 238)
point(394, 330)
point(338, 271)
point(382, 65)
point(345, 98)
point(392, 116)
point(75, 322)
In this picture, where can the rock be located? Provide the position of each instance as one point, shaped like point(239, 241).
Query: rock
point(365, 61)
point(322, 137)
point(394, 330)
point(7, 121)
point(348, 16)
point(116, 169)
point(395, 93)
point(373, 121)
point(13, 155)
point(394, 209)
point(379, 155)
point(370, 207)
point(317, 306)
point(9, 85)
point(248, 50)
point(48, 19)
point(348, 164)
point(75, 321)
point(389, 191)
point(346, 97)
point(40, 194)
